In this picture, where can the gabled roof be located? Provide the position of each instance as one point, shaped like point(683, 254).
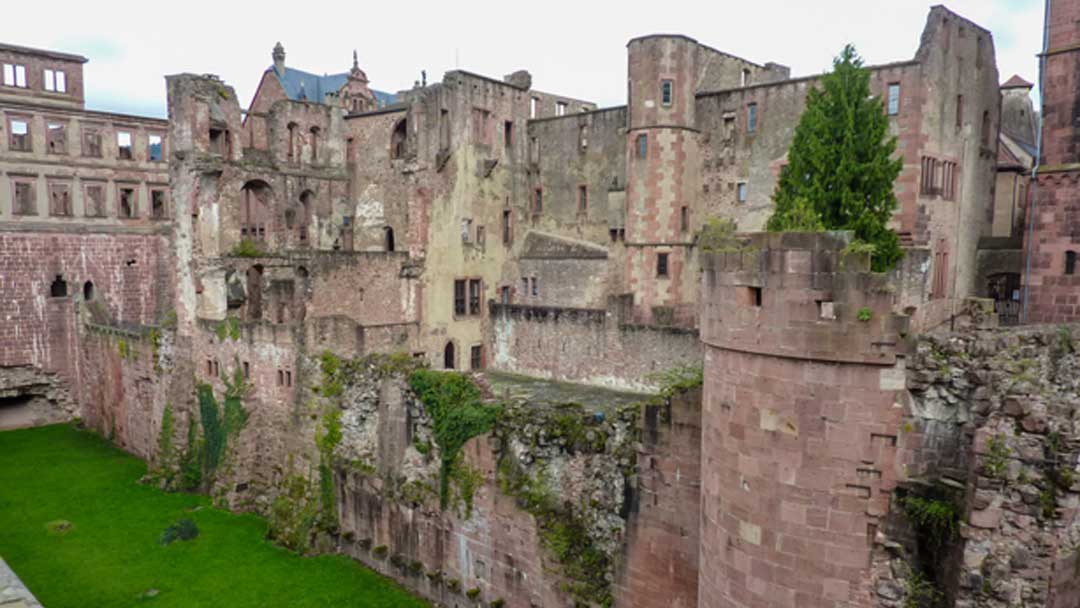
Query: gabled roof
point(300, 85)
point(1016, 82)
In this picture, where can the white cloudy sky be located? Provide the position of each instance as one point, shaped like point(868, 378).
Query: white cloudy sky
point(573, 48)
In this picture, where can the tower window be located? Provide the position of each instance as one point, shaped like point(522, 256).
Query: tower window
point(666, 92)
point(751, 118)
point(642, 146)
point(1070, 262)
point(894, 98)
point(661, 264)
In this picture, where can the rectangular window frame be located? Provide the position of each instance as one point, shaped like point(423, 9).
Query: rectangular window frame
point(125, 151)
point(20, 142)
point(583, 198)
point(892, 102)
point(476, 297)
point(56, 139)
point(91, 141)
point(663, 268)
point(742, 192)
point(64, 208)
point(160, 156)
point(667, 92)
point(30, 208)
point(15, 75)
point(460, 297)
point(641, 144)
point(54, 80)
point(159, 212)
point(91, 208)
point(751, 117)
point(133, 210)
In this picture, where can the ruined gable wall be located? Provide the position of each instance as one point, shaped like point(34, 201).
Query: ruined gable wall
point(255, 126)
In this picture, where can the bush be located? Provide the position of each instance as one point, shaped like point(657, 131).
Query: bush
point(185, 529)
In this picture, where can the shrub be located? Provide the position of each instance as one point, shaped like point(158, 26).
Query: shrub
point(247, 248)
point(185, 529)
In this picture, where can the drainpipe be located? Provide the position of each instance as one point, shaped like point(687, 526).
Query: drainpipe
point(1034, 191)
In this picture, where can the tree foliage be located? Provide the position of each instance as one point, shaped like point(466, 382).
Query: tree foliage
point(841, 170)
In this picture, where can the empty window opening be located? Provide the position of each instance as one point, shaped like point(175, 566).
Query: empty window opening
point(95, 200)
point(131, 262)
point(459, 297)
point(15, 75)
point(247, 369)
point(290, 151)
point(504, 294)
point(288, 378)
point(88, 291)
point(219, 141)
point(60, 200)
point(480, 235)
point(583, 199)
point(534, 150)
point(749, 296)
point(157, 204)
point(56, 137)
point(729, 126)
point(444, 129)
point(55, 81)
point(534, 104)
point(255, 209)
point(666, 92)
point(1070, 262)
point(281, 377)
point(123, 145)
point(398, 138)
point(894, 98)
point(481, 126)
point(474, 296)
point(507, 234)
point(154, 150)
point(560, 108)
point(740, 191)
point(58, 289)
point(959, 112)
point(126, 208)
point(20, 135)
point(535, 287)
point(751, 117)
point(314, 132)
point(538, 200)
point(448, 356)
point(684, 219)
point(745, 80)
point(91, 142)
point(524, 287)
point(388, 238)
point(826, 310)
point(508, 136)
point(307, 201)
point(476, 357)
point(583, 137)
point(466, 230)
point(209, 367)
point(661, 264)
point(642, 145)
point(25, 200)
point(986, 128)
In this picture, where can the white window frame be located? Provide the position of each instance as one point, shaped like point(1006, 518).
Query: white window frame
point(55, 80)
point(15, 75)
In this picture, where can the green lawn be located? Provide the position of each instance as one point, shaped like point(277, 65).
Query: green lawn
point(112, 555)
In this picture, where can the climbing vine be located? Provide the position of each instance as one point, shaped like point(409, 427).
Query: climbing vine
point(165, 469)
point(458, 414)
point(219, 423)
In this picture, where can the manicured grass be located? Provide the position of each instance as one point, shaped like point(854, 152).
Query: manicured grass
point(111, 555)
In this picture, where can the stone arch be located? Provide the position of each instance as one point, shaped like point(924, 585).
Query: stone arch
point(449, 356)
point(255, 203)
point(398, 138)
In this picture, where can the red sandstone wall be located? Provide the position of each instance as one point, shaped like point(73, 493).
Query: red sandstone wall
point(662, 540)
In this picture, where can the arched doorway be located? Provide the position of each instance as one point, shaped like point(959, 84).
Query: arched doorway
point(448, 356)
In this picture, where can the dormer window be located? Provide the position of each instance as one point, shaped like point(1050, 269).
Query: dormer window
point(55, 81)
point(14, 75)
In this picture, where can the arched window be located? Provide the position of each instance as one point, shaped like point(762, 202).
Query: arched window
point(448, 356)
point(58, 289)
point(397, 139)
point(314, 143)
point(88, 291)
point(388, 236)
point(255, 209)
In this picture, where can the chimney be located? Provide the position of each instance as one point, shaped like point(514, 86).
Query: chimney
point(279, 59)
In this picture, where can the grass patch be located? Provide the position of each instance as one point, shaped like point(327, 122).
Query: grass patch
point(111, 554)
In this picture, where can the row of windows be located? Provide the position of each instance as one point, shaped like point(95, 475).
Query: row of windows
point(20, 139)
point(53, 80)
point(476, 356)
point(95, 205)
point(284, 376)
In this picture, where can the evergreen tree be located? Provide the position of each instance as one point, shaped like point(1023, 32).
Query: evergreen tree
point(841, 169)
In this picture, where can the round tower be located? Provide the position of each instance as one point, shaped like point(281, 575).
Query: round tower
point(662, 155)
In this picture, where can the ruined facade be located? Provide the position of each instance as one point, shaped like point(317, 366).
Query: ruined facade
point(478, 224)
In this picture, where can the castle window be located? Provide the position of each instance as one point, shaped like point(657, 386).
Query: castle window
point(684, 218)
point(157, 203)
point(459, 297)
point(480, 235)
point(481, 132)
point(95, 200)
point(58, 289)
point(1070, 262)
point(582, 199)
point(666, 92)
point(560, 108)
point(154, 151)
point(88, 291)
point(60, 200)
point(508, 136)
point(534, 105)
point(583, 137)
point(56, 137)
point(474, 296)
point(751, 118)
point(661, 264)
point(538, 200)
point(314, 143)
point(388, 237)
point(476, 358)
point(505, 294)
point(15, 75)
point(219, 142)
point(740, 190)
point(524, 287)
point(126, 197)
point(507, 230)
point(20, 135)
point(749, 296)
point(91, 142)
point(745, 77)
point(123, 145)
point(291, 153)
point(894, 98)
point(642, 146)
point(448, 356)
point(55, 81)
point(959, 112)
point(535, 287)
point(24, 202)
point(398, 138)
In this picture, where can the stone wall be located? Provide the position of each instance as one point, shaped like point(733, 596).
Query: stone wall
point(591, 346)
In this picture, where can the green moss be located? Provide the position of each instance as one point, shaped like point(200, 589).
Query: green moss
point(293, 515)
point(466, 480)
point(936, 519)
point(473, 593)
point(154, 336)
point(247, 248)
point(996, 460)
point(122, 347)
point(165, 468)
point(380, 551)
point(921, 592)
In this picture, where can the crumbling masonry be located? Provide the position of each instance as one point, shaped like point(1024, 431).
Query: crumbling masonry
point(332, 238)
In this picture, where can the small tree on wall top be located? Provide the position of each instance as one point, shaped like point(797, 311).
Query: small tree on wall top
point(841, 170)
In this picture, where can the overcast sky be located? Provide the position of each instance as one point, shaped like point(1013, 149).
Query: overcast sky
point(572, 48)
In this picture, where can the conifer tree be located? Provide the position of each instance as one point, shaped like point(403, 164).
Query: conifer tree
point(841, 169)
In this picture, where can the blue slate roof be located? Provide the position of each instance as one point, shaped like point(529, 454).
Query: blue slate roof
point(315, 87)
